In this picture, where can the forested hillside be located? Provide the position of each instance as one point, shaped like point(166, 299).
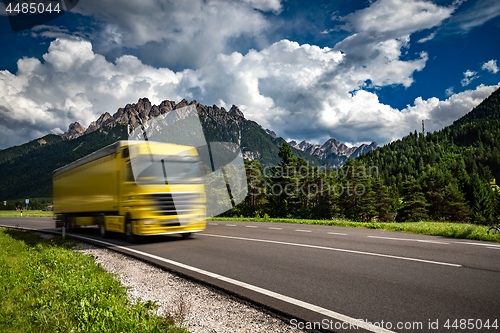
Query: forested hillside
point(27, 169)
point(448, 175)
point(462, 158)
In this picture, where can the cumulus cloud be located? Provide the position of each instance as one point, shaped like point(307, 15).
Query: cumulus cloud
point(468, 77)
point(283, 87)
point(394, 18)
point(490, 66)
point(176, 34)
point(73, 84)
point(381, 33)
point(301, 91)
point(438, 114)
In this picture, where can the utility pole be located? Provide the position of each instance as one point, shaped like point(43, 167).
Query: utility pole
point(423, 128)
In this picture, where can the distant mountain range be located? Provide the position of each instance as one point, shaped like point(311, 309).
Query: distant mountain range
point(333, 150)
point(27, 168)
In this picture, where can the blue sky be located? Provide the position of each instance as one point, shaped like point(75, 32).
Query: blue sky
point(359, 71)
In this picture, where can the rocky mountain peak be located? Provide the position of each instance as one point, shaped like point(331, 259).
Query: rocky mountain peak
point(332, 149)
point(271, 133)
point(143, 110)
point(332, 142)
point(75, 130)
point(234, 110)
point(182, 104)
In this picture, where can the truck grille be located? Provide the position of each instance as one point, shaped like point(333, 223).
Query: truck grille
point(184, 202)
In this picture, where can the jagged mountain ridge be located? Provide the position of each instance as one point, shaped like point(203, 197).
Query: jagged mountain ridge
point(29, 166)
point(145, 110)
point(231, 123)
point(333, 150)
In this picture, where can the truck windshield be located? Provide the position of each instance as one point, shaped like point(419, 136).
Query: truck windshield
point(162, 172)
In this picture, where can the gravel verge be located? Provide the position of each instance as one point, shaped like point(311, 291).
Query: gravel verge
point(202, 308)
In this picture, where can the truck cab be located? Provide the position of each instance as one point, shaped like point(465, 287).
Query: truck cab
point(138, 188)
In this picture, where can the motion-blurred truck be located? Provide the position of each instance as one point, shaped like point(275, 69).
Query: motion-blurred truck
point(132, 187)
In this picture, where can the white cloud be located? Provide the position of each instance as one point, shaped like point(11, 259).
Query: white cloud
point(266, 5)
point(449, 92)
point(394, 18)
point(301, 91)
point(74, 84)
point(476, 15)
point(438, 114)
point(180, 34)
point(490, 66)
point(468, 77)
point(381, 32)
point(53, 32)
point(326, 31)
point(296, 90)
point(428, 38)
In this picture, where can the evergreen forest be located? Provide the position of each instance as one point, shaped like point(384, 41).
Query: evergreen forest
point(448, 175)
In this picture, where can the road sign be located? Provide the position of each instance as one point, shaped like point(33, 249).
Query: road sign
point(5, 203)
point(27, 201)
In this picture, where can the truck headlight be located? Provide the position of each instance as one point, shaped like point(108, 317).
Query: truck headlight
point(148, 221)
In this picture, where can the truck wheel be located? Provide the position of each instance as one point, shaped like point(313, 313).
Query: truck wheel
point(186, 235)
point(70, 225)
point(102, 230)
point(131, 237)
point(102, 227)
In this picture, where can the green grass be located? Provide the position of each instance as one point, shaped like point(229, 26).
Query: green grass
point(47, 287)
point(455, 230)
point(31, 213)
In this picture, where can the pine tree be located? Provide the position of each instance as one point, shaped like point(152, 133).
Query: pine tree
point(347, 199)
point(285, 184)
point(256, 198)
point(382, 202)
point(414, 204)
point(482, 205)
point(365, 205)
point(433, 185)
point(395, 199)
point(454, 206)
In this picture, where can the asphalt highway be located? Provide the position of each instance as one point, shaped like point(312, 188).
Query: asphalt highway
point(332, 276)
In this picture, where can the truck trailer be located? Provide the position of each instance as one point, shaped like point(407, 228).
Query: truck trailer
point(138, 188)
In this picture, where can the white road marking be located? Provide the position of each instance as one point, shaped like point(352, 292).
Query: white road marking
point(494, 248)
point(213, 224)
point(231, 225)
point(302, 230)
point(337, 233)
point(409, 239)
point(273, 228)
point(336, 249)
point(491, 245)
point(250, 226)
point(287, 299)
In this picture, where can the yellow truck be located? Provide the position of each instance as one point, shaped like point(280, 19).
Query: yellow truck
point(132, 187)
